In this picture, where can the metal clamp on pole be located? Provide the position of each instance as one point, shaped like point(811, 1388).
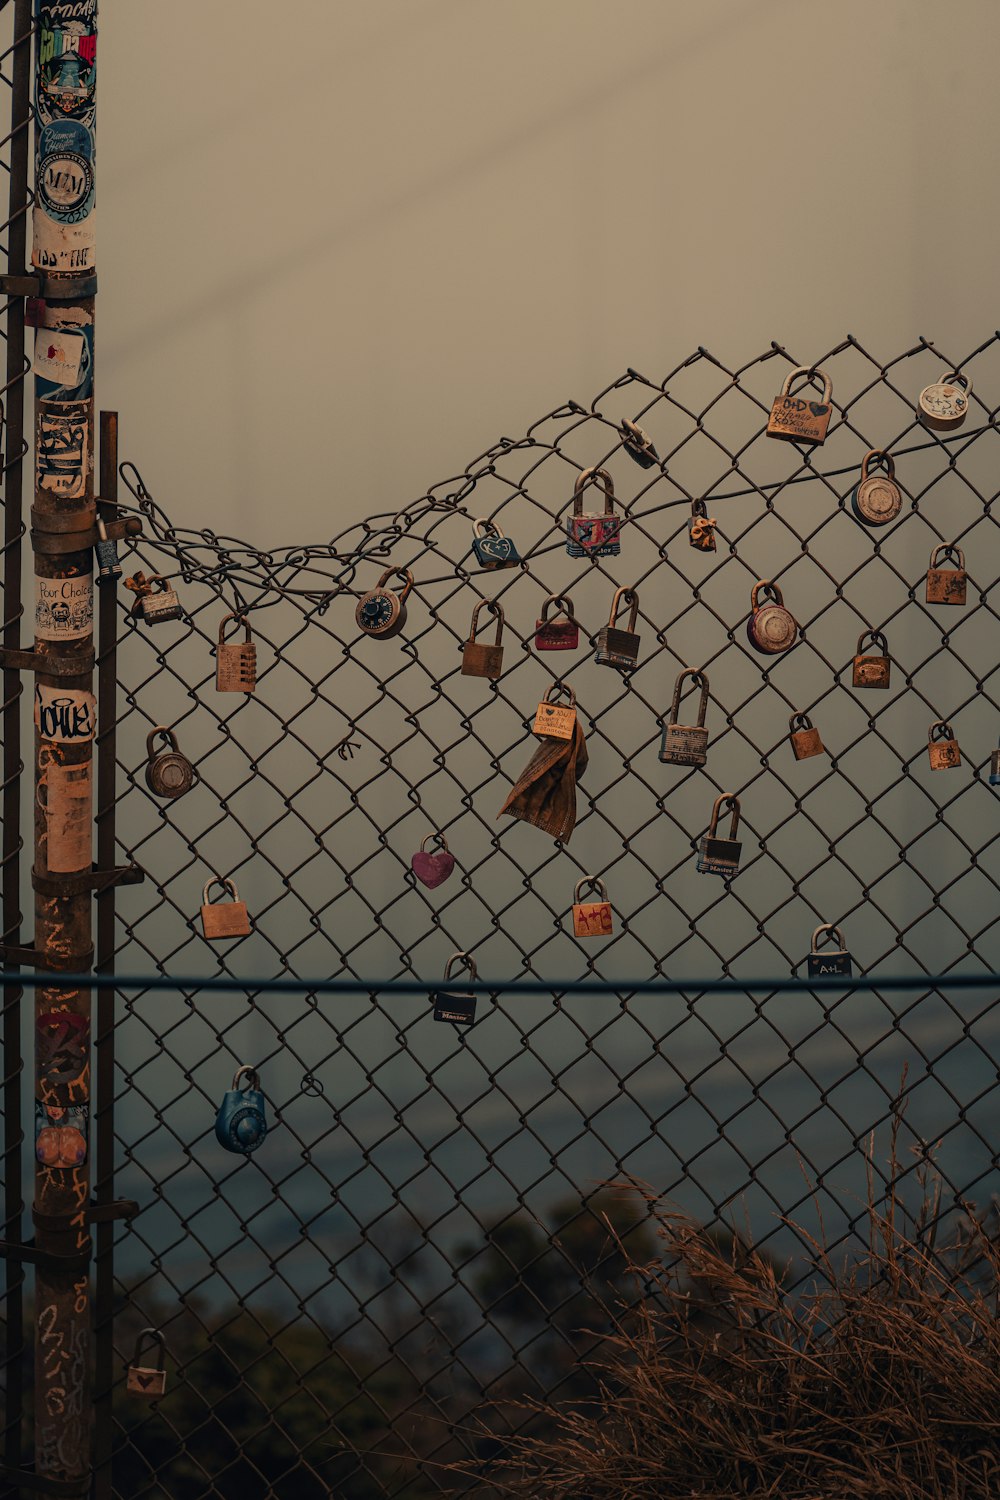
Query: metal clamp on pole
point(31, 957)
point(13, 659)
point(86, 880)
point(28, 1479)
point(74, 1262)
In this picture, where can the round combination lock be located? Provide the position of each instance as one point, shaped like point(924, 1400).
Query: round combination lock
point(771, 628)
point(876, 498)
point(168, 772)
point(381, 612)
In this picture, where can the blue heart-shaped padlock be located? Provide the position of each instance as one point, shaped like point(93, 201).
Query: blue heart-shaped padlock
point(241, 1124)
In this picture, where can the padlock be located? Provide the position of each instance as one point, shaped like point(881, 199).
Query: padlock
point(796, 419)
point(805, 740)
point(831, 961)
point(946, 585)
point(158, 601)
point(686, 744)
point(945, 404)
point(614, 647)
point(871, 671)
point(638, 444)
point(942, 747)
point(876, 499)
point(456, 1006)
point(557, 635)
point(235, 661)
point(492, 548)
point(109, 569)
point(147, 1380)
point(224, 919)
point(381, 613)
point(168, 772)
point(721, 856)
point(770, 628)
point(479, 660)
point(432, 869)
point(589, 535)
point(241, 1123)
point(701, 527)
point(591, 918)
point(995, 768)
point(556, 721)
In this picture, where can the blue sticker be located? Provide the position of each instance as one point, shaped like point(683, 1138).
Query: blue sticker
point(66, 171)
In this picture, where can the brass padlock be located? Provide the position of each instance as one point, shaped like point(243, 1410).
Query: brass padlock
point(168, 772)
point(805, 740)
point(456, 1006)
point(798, 420)
point(592, 918)
point(946, 585)
point(942, 747)
point(554, 720)
point(638, 444)
point(995, 767)
point(829, 961)
point(557, 635)
point(235, 661)
point(876, 499)
point(493, 549)
point(224, 919)
point(686, 744)
point(155, 601)
point(479, 660)
point(871, 671)
point(381, 612)
point(701, 527)
point(721, 856)
point(945, 404)
point(147, 1380)
point(590, 535)
point(619, 648)
point(770, 628)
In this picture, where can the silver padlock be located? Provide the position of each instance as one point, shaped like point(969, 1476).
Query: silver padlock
point(168, 772)
point(686, 744)
point(718, 856)
point(616, 647)
point(160, 603)
point(147, 1380)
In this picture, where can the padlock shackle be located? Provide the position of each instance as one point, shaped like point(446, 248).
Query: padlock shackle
point(237, 615)
point(876, 638)
point(634, 438)
point(565, 607)
point(700, 680)
point(624, 596)
point(731, 800)
point(945, 731)
point(438, 836)
point(699, 508)
point(831, 931)
point(771, 592)
point(591, 476)
point(245, 1071)
point(227, 885)
point(952, 553)
point(463, 958)
point(593, 883)
point(810, 370)
point(560, 689)
point(799, 721)
point(882, 458)
point(955, 377)
point(151, 1336)
point(168, 735)
point(495, 608)
point(483, 523)
point(403, 573)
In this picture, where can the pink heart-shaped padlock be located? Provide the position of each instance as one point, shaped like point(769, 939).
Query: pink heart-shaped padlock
point(432, 869)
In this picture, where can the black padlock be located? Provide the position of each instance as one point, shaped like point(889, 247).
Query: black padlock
point(616, 647)
point(721, 856)
point(456, 1006)
point(831, 961)
point(109, 569)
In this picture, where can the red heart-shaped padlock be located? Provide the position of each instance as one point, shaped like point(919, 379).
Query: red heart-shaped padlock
point(432, 869)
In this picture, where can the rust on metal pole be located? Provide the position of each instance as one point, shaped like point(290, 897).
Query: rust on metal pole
point(62, 537)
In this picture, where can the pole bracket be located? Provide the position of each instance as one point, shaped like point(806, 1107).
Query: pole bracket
point(14, 659)
point(97, 1213)
point(28, 1479)
point(86, 880)
point(28, 1254)
point(54, 963)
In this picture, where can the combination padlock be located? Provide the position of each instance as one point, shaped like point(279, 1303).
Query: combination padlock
point(615, 647)
point(796, 419)
point(235, 661)
point(876, 499)
point(148, 1380)
point(721, 856)
point(479, 660)
point(492, 548)
point(830, 961)
point(241, 1123)
point(109, 569)
point(589, 535)
point(942, 747)
point(381, 612)
point(871, 670)
point(946, 585)
point(805, 740)
point(155, 600)
point(168, 772)
point(555, 720)
point(945, 404)
point(995, 767)
point(770, 628)
point(224, 919)
point(686, 744)
point(557, 635)
point(456, 1006)
point(592, 919)
point(701, 527)
point(638, 444)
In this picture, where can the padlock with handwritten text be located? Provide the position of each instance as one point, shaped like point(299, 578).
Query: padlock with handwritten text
point(771, 628)
point(591, 919)
point(800, 419)
point(109, 569)
point(616, 647)
point(493, 549)
point(168, 772)
point(479, 660)
point(147, 1380)
point(945, 404)
point(224, 919)
point(590, 535)
point(701, 527)
point(946, 585)
point(235, 661)
point(381, 613)
point(638, 444)
point(454, 1005)
point(804, 737)
point(718, 856)
point(155, 600)
point(876, 499)
point(555, 634)
point(825, 961)
point(241, 1122)
point(872, 669)
point(942, 747)
point(686, 744)
point(555, 720)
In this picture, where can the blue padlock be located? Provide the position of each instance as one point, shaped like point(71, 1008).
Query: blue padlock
point(241, 1124)
point(995, 768)
point(492, 548)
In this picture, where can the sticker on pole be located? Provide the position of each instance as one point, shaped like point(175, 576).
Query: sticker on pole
point(58, 355)
point(65, 715)
point(64, 608)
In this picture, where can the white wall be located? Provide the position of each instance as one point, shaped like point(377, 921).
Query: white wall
point(344, 247)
